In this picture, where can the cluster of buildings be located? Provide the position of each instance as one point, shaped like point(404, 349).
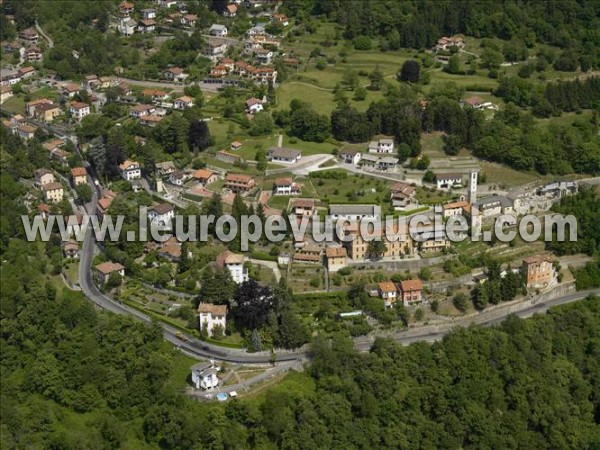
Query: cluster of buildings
point(377, 157)
point(408, 292)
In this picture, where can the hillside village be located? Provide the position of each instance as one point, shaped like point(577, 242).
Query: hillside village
point(204, 122)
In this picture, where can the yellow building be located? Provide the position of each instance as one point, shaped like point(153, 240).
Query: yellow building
point(358, 247)
point(53, 192)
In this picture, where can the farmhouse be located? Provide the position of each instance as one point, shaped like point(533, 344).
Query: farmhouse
point(283, 155)
point(238, 182)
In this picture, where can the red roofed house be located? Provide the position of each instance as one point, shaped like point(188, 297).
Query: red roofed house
point(104, 270)
point(79, 175)
point(411, 291)
point(238, 182)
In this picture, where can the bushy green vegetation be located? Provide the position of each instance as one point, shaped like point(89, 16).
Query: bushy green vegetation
point(585, 206)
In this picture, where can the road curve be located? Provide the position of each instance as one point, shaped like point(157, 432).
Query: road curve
point(202, 350)
point(44, 35)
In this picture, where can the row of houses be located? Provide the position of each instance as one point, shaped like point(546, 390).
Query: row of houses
point(9, 77)
point(227, 66)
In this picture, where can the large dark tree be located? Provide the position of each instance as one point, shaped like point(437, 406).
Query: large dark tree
point(199, 138)
point(410, 71)
point(252, 305)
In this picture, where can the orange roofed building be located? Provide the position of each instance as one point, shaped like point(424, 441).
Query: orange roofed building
point(538, 271)
point(238, 182)
point(411, 292)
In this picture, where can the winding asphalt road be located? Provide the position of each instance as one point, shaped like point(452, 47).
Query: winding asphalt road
point(202, 350)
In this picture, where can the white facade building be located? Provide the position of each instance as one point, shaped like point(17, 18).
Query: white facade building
point(130, 170)
point(234, 264)
point(211, 316)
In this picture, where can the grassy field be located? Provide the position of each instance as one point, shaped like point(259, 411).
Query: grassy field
point(353, 189)
point(502, 175)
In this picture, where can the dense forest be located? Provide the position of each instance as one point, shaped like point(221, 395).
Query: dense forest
point(570, 25)
point(76, 378)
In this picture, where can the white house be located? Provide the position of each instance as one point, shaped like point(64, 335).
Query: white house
point(130, 170)
point(161, 214)
point(285, 186)
point(448, 180)
point(235, 264)
point(382, 146)
point(350, 156)
point(254, 105)
point(217, 30)
point(79, 110)
point(211, 316)
point(354, 212)
point(388, 292)
point(204, 376)
point(283, 155)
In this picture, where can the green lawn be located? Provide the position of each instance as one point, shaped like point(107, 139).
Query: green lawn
point(353, 189)
point(14, 105)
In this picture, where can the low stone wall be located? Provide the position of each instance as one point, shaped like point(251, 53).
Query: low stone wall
point(401, 264)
